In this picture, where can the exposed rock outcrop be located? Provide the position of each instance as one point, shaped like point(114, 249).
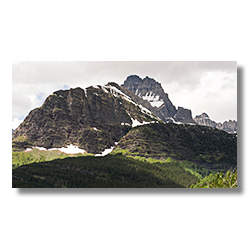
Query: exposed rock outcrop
point(204, 120)
point(228, 126)
point(184, 116)
point(152, 91)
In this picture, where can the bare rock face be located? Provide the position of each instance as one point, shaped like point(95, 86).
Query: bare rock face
point(93, 118)
point(228, 126)
point(184, 116)
point(152, 91)
point(203, 119)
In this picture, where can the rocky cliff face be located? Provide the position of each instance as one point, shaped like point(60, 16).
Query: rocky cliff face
point(184, 116)
point(93, 118)
point(228, 126)
point(150, 90)
point(203, 119)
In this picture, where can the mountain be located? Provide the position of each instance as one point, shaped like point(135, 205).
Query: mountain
point(203, 119)
point(94, 119)
point(154, 145)
point(209, 147)
point(152, 91)
point(228, 126)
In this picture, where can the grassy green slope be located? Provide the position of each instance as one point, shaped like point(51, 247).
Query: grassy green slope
point(111, 171)
point(24, 158)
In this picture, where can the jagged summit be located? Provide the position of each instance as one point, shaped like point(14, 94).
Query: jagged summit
point(152, 91)
point(148, 89)
point(202, 116)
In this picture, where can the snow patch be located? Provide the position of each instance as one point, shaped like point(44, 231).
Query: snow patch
point(106, 151)
point(179, 123)
point(125, 124)
point(156, 103)
point(69, 150)
point(170, 118)
point(154, 100)
point(85, 91)
point(136, 123)
point(28, 149)
point(41, 148)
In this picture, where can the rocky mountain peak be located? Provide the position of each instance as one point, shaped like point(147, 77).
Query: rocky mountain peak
point(229, 126)
point(152, 91)
point(142, 86)
point(202, 116)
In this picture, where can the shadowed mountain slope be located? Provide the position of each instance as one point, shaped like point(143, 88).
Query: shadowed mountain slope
point(209, 147)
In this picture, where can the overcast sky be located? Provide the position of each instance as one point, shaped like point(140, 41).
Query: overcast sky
point(209, 87)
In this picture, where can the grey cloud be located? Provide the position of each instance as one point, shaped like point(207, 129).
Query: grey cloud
point(229, 83)
point(211, 95)
point(20, 104)
point(188, 74)
point(47, 72)
point(185, 73)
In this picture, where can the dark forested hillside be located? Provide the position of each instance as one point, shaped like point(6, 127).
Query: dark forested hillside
point(111, 171)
